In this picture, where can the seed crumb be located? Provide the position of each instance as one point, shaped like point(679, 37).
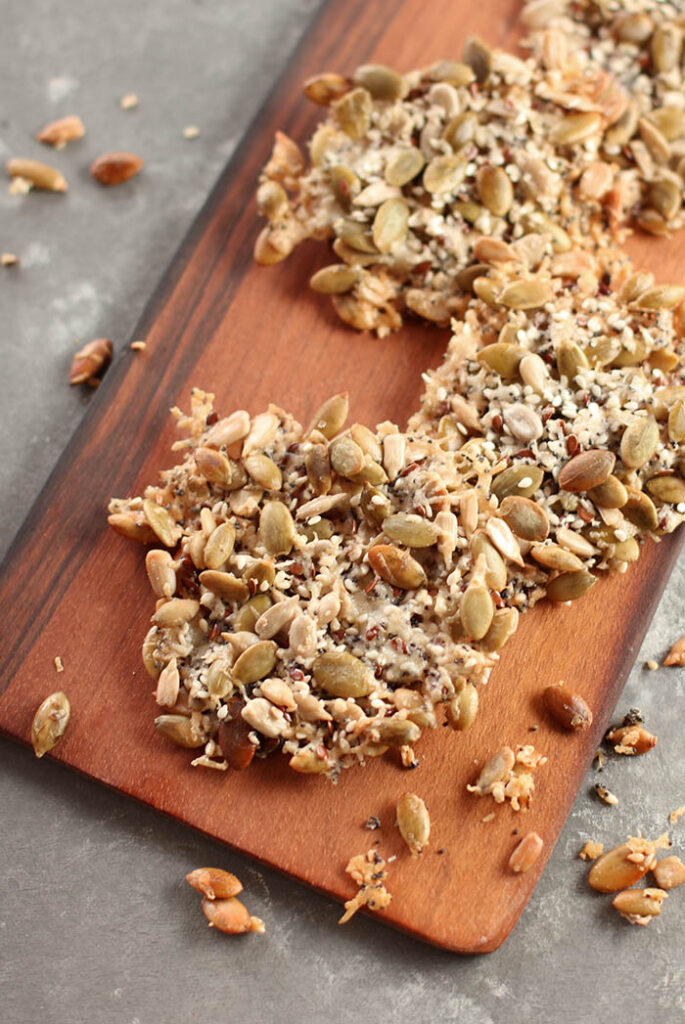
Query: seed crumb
point(591, 850)
point(9, 259)
point(605, 795)
point(676, 655)
point(408, 757)
point(372, 822)
point(19, 186)
point(191, 131)
point(368, 871)
point(652, 665)
point(58, 663)
point(138, 346)
point(598, 760)
point(129, 101)
point(676, 815)
point(488, 817)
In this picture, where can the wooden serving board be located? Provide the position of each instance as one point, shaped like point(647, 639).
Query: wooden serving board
point(71, 587)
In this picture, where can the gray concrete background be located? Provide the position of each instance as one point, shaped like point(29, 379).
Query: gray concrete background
point(96, 922)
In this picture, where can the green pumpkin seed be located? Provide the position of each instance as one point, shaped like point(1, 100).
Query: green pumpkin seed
point(552, 556)
point(657, 145)
point(465, 278)
point(575, 128)
point(623, 130)
point(397, 732)
point(525, 518)
point(318, 467)
point(478, 55)
point(375, 506)
point(461, 129)
point(413, 822)
point(452, 71)
point(665, 47)
point(356, 237)
point(263, 471)
point(219, 546)
point(476, 610)
point(539, 222)
point(640, 511)
point(50, 722)
point(667, 488)
point(262, 571)
point(353, 112)
point(329, 418)
point(176, 612)
point(256, 662)
point(276, 528)
point(521, 479)
point(486, 290)
point(626, 550)
point(227, 586)
point(661, 296)
point(470, 212)
point(342, 675)
point(653, 223)
point(633, 355)
point(396, 567)
point(676, 422)
point(639, 442)
point(245, 618)
point(602, 351)
point(344, 183)
point(568, 586)
point(183, 731)
point(382, 82)
point(410, 530)
point(335, 279)
point(403, 166)
point(495, 190)
point(670, 121)
point(664, 359)
point(504, 624)
point(444, 174)
point(371, 473)
point(530, 294)
point(570, 360)
point(504, 359)
point(610, 494)
point(390, 224)
point(587, 470)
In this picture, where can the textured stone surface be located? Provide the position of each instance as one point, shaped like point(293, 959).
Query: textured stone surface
point(96, 922)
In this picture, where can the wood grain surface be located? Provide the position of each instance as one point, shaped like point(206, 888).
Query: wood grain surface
point(71, 587)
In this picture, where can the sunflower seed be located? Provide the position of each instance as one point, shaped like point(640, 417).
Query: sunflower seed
point(526, 853)
point(231, 917)
point(639, 906)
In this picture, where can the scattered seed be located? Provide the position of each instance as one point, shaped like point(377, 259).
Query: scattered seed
point(50, 722)
point(39, 175)
point(526, 853)
point(413, 822)
point(116, 167)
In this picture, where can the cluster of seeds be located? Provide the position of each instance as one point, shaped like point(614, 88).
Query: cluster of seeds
point(639, 44)
point(323, 591)
point(316, 591)
point(220, 906)
point(619, 869)
point(408, 172)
